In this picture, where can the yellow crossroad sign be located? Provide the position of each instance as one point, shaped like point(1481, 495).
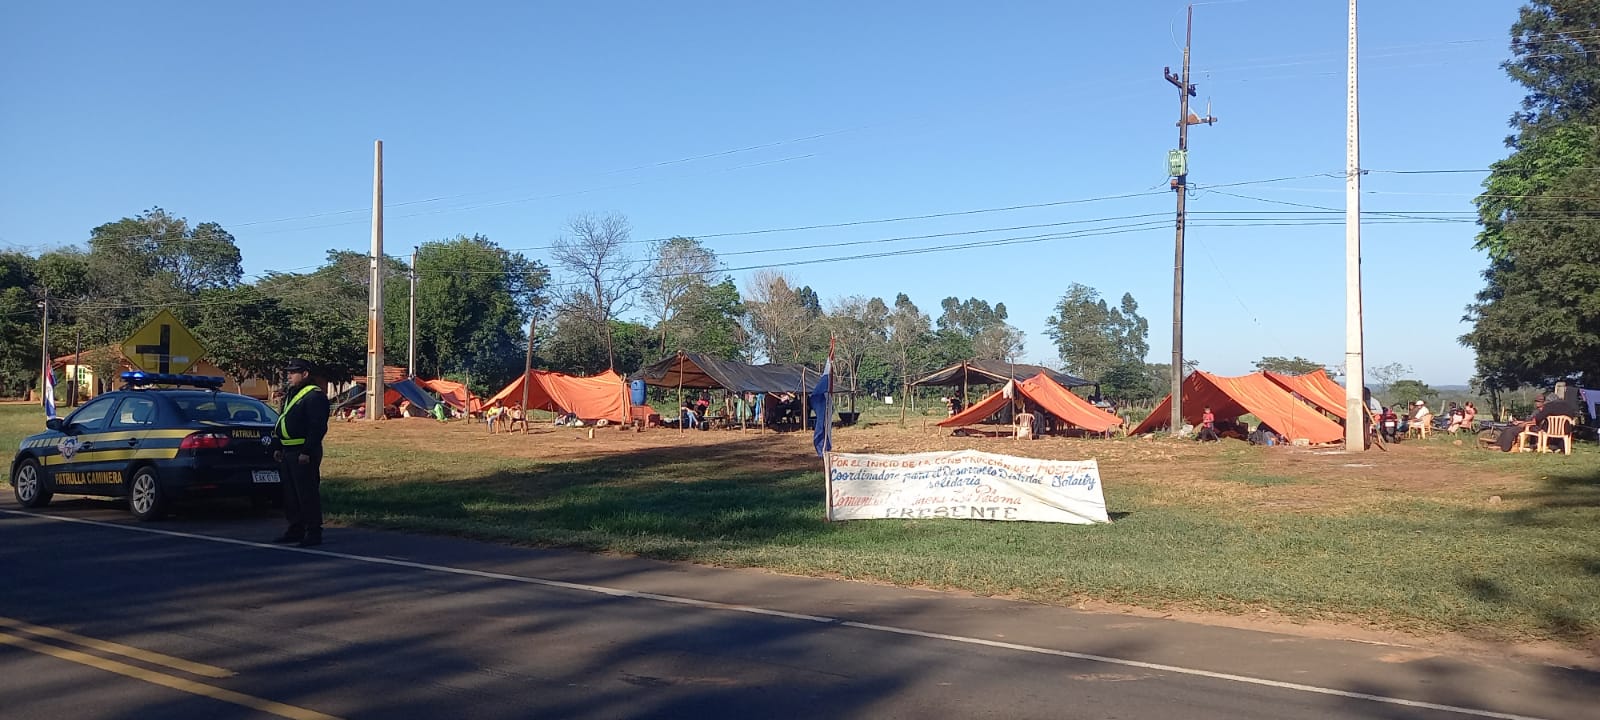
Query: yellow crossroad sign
point(163, 345)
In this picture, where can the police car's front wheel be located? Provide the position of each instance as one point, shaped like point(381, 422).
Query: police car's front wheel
point(28, 485)
point(144, 495)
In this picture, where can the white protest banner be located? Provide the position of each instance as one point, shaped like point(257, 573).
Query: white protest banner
point(964, 484)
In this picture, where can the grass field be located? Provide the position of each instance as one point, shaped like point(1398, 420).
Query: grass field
point(1428, 537)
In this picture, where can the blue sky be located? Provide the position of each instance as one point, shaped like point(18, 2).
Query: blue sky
point(701, 119)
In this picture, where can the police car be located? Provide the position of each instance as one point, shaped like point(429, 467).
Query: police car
point(161, 440)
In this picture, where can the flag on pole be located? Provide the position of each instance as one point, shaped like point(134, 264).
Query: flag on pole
point(50, 392)
point(822, 404)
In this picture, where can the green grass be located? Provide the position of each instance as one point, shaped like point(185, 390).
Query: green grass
point(1527, 567)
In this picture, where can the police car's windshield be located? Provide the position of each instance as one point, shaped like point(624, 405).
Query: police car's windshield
point(224, 408)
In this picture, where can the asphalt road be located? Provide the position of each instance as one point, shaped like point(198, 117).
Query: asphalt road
point(197, 617)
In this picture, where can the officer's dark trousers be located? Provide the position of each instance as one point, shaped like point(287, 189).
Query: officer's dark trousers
point(302, 491)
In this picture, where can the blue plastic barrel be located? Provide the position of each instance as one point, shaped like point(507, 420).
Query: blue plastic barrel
point(638, 392)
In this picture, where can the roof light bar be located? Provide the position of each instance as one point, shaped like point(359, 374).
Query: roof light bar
point(139, 378)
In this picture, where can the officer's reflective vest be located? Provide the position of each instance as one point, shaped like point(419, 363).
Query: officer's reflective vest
point(283, 428)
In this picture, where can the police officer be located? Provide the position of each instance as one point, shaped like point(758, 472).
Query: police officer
point(297, 445)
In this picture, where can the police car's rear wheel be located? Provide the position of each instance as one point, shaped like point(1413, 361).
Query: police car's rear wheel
point(28, 485)
point(144, 495)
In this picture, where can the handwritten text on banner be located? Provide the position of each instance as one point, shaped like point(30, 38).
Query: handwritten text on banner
point(964, 484)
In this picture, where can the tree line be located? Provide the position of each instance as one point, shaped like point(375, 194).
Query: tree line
point(609, 302)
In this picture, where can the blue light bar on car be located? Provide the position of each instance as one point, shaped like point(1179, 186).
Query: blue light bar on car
point(139, 378)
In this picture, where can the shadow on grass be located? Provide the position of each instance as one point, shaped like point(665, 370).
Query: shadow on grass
point(741, 493)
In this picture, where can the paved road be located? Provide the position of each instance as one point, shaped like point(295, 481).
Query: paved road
point(101, 617)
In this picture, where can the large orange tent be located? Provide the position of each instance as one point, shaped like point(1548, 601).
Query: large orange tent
point(1316, 387)
point(454, 394)
point(601, 397)
point(1049, 395)
point(1250, 394)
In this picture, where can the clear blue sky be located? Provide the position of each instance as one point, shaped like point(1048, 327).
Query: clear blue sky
point(708, 118)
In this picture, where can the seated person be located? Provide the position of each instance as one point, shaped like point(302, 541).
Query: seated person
point(492, 417)
point(1265, 435)
point(516, 417)
point(1421, 419)
point(1544, 408)
point(1208, 427)
point(1389, 425)
point(1469, 415)
point(687, 417)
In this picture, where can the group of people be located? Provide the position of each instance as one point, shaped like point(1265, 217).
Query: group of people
point(1392, 426)
point(1211, 430)
point(1544, 408)
point(509, 418)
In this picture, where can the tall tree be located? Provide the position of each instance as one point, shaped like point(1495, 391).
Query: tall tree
point(1537, 319)
point(595, 252)
point(859, 329)
point(683, 267)
point(473, 302)
point(246, 332)
point(710, 320)
point(1092, 337)
point(783, 318)
point(973, 329)
point(909, 334)
point(19, 347)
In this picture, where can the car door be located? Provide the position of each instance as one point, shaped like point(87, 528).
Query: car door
point(120, 445)
point(70, 465)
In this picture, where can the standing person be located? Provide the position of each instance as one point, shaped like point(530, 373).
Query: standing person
point(297, 446)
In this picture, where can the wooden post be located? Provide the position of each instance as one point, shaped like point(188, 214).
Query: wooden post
point(827, 487)
point(680, 391)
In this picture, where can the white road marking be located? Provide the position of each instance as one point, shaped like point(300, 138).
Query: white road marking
point(749, 609)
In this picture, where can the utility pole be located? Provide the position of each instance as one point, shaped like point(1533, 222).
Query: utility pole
point(411, 333)
point(527, 370)
point(1355, 404)
point(44, 347)
point(375, 293)
point(1179, 167)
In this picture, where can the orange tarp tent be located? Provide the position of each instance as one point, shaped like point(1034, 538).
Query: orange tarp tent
point(602, 397)
point(1250, 394)
point(454, 394)
point(1049, 395)
point(1316, 387)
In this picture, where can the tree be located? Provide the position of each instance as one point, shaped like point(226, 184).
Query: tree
point(473, 303)
point(1537, 320)
point(710, 320)
point(19, 349)
point(859, 329)
point(246, 332)
point(1288, 366)
point(909, 331)
point(1092, 337)
point(570, 345)
point(1405, 392)
point(973, 329)
point(328, 311)
point(595, 252)
point(782, 318)
point(154, 259)
point(1386, 375)
point(682, 267)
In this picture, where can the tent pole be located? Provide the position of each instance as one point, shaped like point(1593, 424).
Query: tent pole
point(680, 391)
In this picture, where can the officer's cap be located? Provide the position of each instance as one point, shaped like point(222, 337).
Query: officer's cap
point(298, 365)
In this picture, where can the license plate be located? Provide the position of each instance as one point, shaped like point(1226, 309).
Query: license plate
point(264, 476)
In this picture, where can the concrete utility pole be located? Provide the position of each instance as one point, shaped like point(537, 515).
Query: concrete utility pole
point(1180, 184)
point(44, 347)
point(527, 370)
point(375, 293)
point(1355, 432)
point(411, 332)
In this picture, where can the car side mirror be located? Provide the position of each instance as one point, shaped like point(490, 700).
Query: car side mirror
point(55, 424)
